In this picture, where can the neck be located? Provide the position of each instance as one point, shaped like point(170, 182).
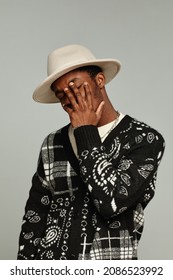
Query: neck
point(109, 113)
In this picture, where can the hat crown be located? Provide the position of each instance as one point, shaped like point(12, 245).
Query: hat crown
point(64, 57)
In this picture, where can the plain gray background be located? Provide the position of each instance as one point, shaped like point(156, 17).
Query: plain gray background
point(139, 34)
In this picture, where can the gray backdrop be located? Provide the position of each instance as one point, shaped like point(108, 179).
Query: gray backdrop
point(139, 34)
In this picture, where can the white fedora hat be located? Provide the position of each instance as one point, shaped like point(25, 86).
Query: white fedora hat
point(66, 59)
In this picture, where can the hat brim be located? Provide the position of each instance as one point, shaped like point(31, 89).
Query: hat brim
point(44, 94)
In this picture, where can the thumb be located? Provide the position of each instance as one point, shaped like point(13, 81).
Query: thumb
point(100, 110)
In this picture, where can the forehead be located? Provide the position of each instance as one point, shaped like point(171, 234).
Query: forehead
point(72, 76)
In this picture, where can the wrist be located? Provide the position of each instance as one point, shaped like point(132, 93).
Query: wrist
point(87, 137)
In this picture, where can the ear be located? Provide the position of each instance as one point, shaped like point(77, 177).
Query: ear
point(100, 80)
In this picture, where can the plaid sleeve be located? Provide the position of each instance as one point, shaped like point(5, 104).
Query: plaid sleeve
point(34, 220)
point(117, 182)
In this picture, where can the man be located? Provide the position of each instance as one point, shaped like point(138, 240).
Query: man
point(96, 175)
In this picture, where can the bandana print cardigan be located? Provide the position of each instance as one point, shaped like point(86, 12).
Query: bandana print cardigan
point(91, 207)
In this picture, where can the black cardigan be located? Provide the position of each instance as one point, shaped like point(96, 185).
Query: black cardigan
point(91, 207)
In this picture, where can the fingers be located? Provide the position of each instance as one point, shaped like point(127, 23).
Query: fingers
point(77, 93)
point(100, 110)
point(69, 107)
point(76, 98)
point(79, 99)
point(88, 94)
point(78, 90)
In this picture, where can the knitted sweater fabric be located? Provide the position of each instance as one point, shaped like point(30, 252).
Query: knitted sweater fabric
point(91, 208)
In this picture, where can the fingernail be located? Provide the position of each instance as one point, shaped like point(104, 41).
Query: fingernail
point(85, 83)
point(71, 84)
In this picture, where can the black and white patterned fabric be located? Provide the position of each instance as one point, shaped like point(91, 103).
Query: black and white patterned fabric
point(91, 208)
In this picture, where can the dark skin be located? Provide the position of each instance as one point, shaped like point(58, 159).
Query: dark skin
point(84, 98)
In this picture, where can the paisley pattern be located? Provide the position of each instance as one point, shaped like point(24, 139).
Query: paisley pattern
point(45, 200)
point(51, 237)
point(91, 208)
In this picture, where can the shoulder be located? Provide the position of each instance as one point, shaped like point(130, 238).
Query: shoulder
point(54, 138)
point(145, 138)
point(142, 130)
point(139, 130)
point(138, 136)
